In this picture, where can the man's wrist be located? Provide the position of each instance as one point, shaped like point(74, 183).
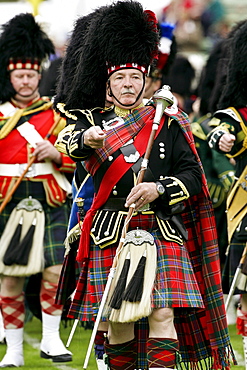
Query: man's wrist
point(160, 188)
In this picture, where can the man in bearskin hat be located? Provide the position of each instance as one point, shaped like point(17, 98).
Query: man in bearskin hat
point(218, 168)
point(34, 220)
point(230, 136)
point(167, 273)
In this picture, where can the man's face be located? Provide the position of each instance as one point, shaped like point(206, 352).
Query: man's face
point(25, 82)
point(126, 85)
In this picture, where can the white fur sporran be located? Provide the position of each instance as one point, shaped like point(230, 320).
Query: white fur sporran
point(138, 243)
point(30, 212)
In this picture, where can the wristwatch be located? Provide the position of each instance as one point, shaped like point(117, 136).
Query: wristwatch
point(160, 188)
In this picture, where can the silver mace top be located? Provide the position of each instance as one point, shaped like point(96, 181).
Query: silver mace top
point(163, 99)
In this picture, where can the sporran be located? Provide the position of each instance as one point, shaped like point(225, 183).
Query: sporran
point(139, 254)
point(21, 244)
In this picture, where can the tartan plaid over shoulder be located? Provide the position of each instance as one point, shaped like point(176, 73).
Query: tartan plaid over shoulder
point(203, 334)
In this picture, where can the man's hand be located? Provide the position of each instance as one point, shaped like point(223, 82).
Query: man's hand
point(226, 142)
point(141, 194)
point(46, 150)
point(94, 137)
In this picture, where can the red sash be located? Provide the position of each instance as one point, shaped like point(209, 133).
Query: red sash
point(110, 179)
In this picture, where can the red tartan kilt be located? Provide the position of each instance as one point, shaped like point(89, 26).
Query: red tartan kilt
point(175, 285)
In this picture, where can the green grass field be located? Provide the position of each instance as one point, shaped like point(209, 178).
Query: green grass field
point(79, 346)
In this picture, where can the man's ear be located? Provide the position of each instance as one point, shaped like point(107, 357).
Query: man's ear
point(108, 89)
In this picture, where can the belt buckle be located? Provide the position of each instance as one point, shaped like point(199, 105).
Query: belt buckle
point(30, 172)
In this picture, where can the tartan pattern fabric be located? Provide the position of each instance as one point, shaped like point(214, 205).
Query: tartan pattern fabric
point(121, 356)
point(111, 177)
point(99, 344)
point(173, 261)
point(47, 298)
point(241, 322)
point(118, 136)
point(202, 332)
point(13, 311)
point(161, 352)
point(56, 220)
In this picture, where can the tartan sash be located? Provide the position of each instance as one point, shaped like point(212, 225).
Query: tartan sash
point(118, 136)
point(113, 175)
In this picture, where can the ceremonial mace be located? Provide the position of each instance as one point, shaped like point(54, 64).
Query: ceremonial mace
point(163, 99)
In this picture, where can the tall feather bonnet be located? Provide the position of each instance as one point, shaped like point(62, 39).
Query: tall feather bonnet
point(235, 90)
point(121, 35)
point(23, 45)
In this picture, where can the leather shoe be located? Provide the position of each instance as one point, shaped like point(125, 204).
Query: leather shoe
point(66, 357)
point(7, 365)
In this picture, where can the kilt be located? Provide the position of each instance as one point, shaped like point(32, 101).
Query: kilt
point(56, 220)
point(175, 284)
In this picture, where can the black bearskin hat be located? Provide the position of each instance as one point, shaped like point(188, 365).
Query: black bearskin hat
point(23, 44)
point(118, 34)
point(180, 76)
point(72, 57)
point(235, 90)
point(208, 77)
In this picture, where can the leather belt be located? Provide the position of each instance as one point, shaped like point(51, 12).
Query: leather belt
point(115, 204)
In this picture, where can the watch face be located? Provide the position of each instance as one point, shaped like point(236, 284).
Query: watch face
point(160, 189)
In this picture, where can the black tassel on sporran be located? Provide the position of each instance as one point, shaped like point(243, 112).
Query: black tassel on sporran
point(18, 251)
point(117, 296)
point(134, 290)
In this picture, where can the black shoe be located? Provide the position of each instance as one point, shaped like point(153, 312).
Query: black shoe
point(66, 357)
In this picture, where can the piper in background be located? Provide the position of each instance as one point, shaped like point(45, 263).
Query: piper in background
point(230, 136)
point(34, 221)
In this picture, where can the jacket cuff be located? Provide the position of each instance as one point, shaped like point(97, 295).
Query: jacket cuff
point(175, 190)
point(215, 137)
point(68, 165)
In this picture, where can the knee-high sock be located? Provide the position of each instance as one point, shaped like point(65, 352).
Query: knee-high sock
point(99, 344)
point(162, 352)
point(99, 349)
point(47, 299)
point(122, 356)
point(242, 330)
point(13, 311)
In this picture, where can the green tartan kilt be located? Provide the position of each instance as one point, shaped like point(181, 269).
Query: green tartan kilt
point(56, 220)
